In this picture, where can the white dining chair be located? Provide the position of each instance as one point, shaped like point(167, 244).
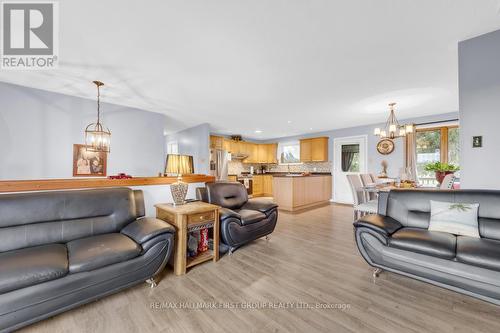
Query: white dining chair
point(361, 205)
point(366, 179)
point(448, 181)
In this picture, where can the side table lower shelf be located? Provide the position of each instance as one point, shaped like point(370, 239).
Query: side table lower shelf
point(186, 218)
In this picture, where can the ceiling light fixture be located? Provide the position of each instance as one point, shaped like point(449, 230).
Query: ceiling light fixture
point(258, 131)
point(392, 128)
point(97, 136)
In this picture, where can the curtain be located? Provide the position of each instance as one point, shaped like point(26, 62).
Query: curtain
point(348, 153)
point(411, 155)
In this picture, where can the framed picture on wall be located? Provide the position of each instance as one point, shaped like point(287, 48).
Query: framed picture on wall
point(88, 163)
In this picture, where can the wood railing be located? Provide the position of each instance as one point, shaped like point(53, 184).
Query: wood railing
point(76, 183)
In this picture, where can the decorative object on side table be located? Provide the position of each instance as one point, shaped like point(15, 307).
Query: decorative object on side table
point(88, 163)
point(441, 170)
point(98, 136)
point(179, 165)
point(189, 218)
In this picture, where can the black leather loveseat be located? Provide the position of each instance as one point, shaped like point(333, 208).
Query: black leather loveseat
point(400, 242)
point(61, 249)
point(242, 219)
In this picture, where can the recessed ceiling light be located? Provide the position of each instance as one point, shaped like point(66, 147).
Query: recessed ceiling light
point(289, 121)
point(258, 131)
point(311, 129)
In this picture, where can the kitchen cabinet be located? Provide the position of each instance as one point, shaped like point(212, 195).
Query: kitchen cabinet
point(271, 153)
point(296, 193)
point(257, 153)
point(314, 149)
point(216, 142)
point(258, 185)
point(268, 185)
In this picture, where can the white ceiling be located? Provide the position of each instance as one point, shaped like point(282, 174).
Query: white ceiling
point(284, 67)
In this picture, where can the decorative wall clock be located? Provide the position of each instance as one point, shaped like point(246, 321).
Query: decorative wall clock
point(385, 146)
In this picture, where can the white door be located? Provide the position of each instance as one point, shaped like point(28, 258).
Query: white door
point(349, 157)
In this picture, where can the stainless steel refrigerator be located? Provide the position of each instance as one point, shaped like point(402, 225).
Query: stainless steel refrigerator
point(219, 160)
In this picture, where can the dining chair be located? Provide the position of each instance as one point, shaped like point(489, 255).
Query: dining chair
point(447, 183)
point(361, 205)
point(373, 177)
point(366, 179)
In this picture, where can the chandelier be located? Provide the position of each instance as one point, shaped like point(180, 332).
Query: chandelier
point(392, 127)
point(97, 136)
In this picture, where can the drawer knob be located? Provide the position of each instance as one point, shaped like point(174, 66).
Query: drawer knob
point(201, 217)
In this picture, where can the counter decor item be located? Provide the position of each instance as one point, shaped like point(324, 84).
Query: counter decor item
point(121, 175)
point(441, 170)
point(179, 165)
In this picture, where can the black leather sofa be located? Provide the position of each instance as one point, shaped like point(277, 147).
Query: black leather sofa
point(241, 219)
point(400, 242)
point(59, 250)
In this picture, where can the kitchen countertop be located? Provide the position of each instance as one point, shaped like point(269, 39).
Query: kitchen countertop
point(284, 174)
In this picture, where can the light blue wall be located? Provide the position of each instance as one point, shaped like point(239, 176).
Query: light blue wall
point(38, 130)
point(479, 88)
point(194, 141)
point(395, 160)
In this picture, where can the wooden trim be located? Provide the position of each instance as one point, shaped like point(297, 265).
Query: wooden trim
point(443, 137)
point(64, 184)
point(444, 145)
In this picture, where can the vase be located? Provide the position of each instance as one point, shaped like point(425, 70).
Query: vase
point(441, 174)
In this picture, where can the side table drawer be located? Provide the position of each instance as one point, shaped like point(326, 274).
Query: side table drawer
point(201, 217)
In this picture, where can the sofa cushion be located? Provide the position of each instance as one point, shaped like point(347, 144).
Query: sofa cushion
point(90, 253)
point(33, 265)
point(479, 252)
point(432, 243)
point(454, 218)
point(250, 216)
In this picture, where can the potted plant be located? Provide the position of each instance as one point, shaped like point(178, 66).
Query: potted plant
point(441, 169)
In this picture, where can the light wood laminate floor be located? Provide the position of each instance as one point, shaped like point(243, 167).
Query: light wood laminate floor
point(310, 258)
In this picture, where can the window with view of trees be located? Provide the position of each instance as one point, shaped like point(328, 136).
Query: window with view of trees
point(441, 144)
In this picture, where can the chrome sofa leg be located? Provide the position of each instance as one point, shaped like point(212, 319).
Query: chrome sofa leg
point(231, 250)
point(152, 283)
point(376, 272)
point(268, 237)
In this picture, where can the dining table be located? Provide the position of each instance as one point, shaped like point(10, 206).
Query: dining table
point(383, 192)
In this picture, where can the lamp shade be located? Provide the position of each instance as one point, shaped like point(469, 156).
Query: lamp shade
point(179, 164)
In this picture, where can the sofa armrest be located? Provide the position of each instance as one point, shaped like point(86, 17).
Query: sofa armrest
point(225, 213)
point(259, 204)
point(384, 225)
point(146, 228)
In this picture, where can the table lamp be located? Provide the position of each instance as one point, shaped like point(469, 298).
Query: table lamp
point(179, 165)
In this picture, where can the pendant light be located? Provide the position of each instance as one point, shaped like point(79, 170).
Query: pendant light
point(392, 128)
point(97, 136)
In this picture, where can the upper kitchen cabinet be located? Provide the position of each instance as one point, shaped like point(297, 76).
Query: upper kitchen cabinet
point(314, 149)
point(266, 153)
point(216, 142)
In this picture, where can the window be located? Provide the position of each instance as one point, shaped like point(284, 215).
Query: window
point(172, 147)
point(439, 144)
point(289, 152)
point(350, 158)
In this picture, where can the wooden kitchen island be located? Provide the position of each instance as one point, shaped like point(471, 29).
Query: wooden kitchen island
point(297, 192)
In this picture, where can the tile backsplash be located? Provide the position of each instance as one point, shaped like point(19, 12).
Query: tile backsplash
point(237, 167)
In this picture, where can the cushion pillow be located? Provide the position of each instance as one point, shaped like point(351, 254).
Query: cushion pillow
point(454, 218)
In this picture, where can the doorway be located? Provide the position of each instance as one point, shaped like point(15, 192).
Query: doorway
point(349, 157)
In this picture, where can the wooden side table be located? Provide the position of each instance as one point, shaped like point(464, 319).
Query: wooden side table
point(185, 218)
